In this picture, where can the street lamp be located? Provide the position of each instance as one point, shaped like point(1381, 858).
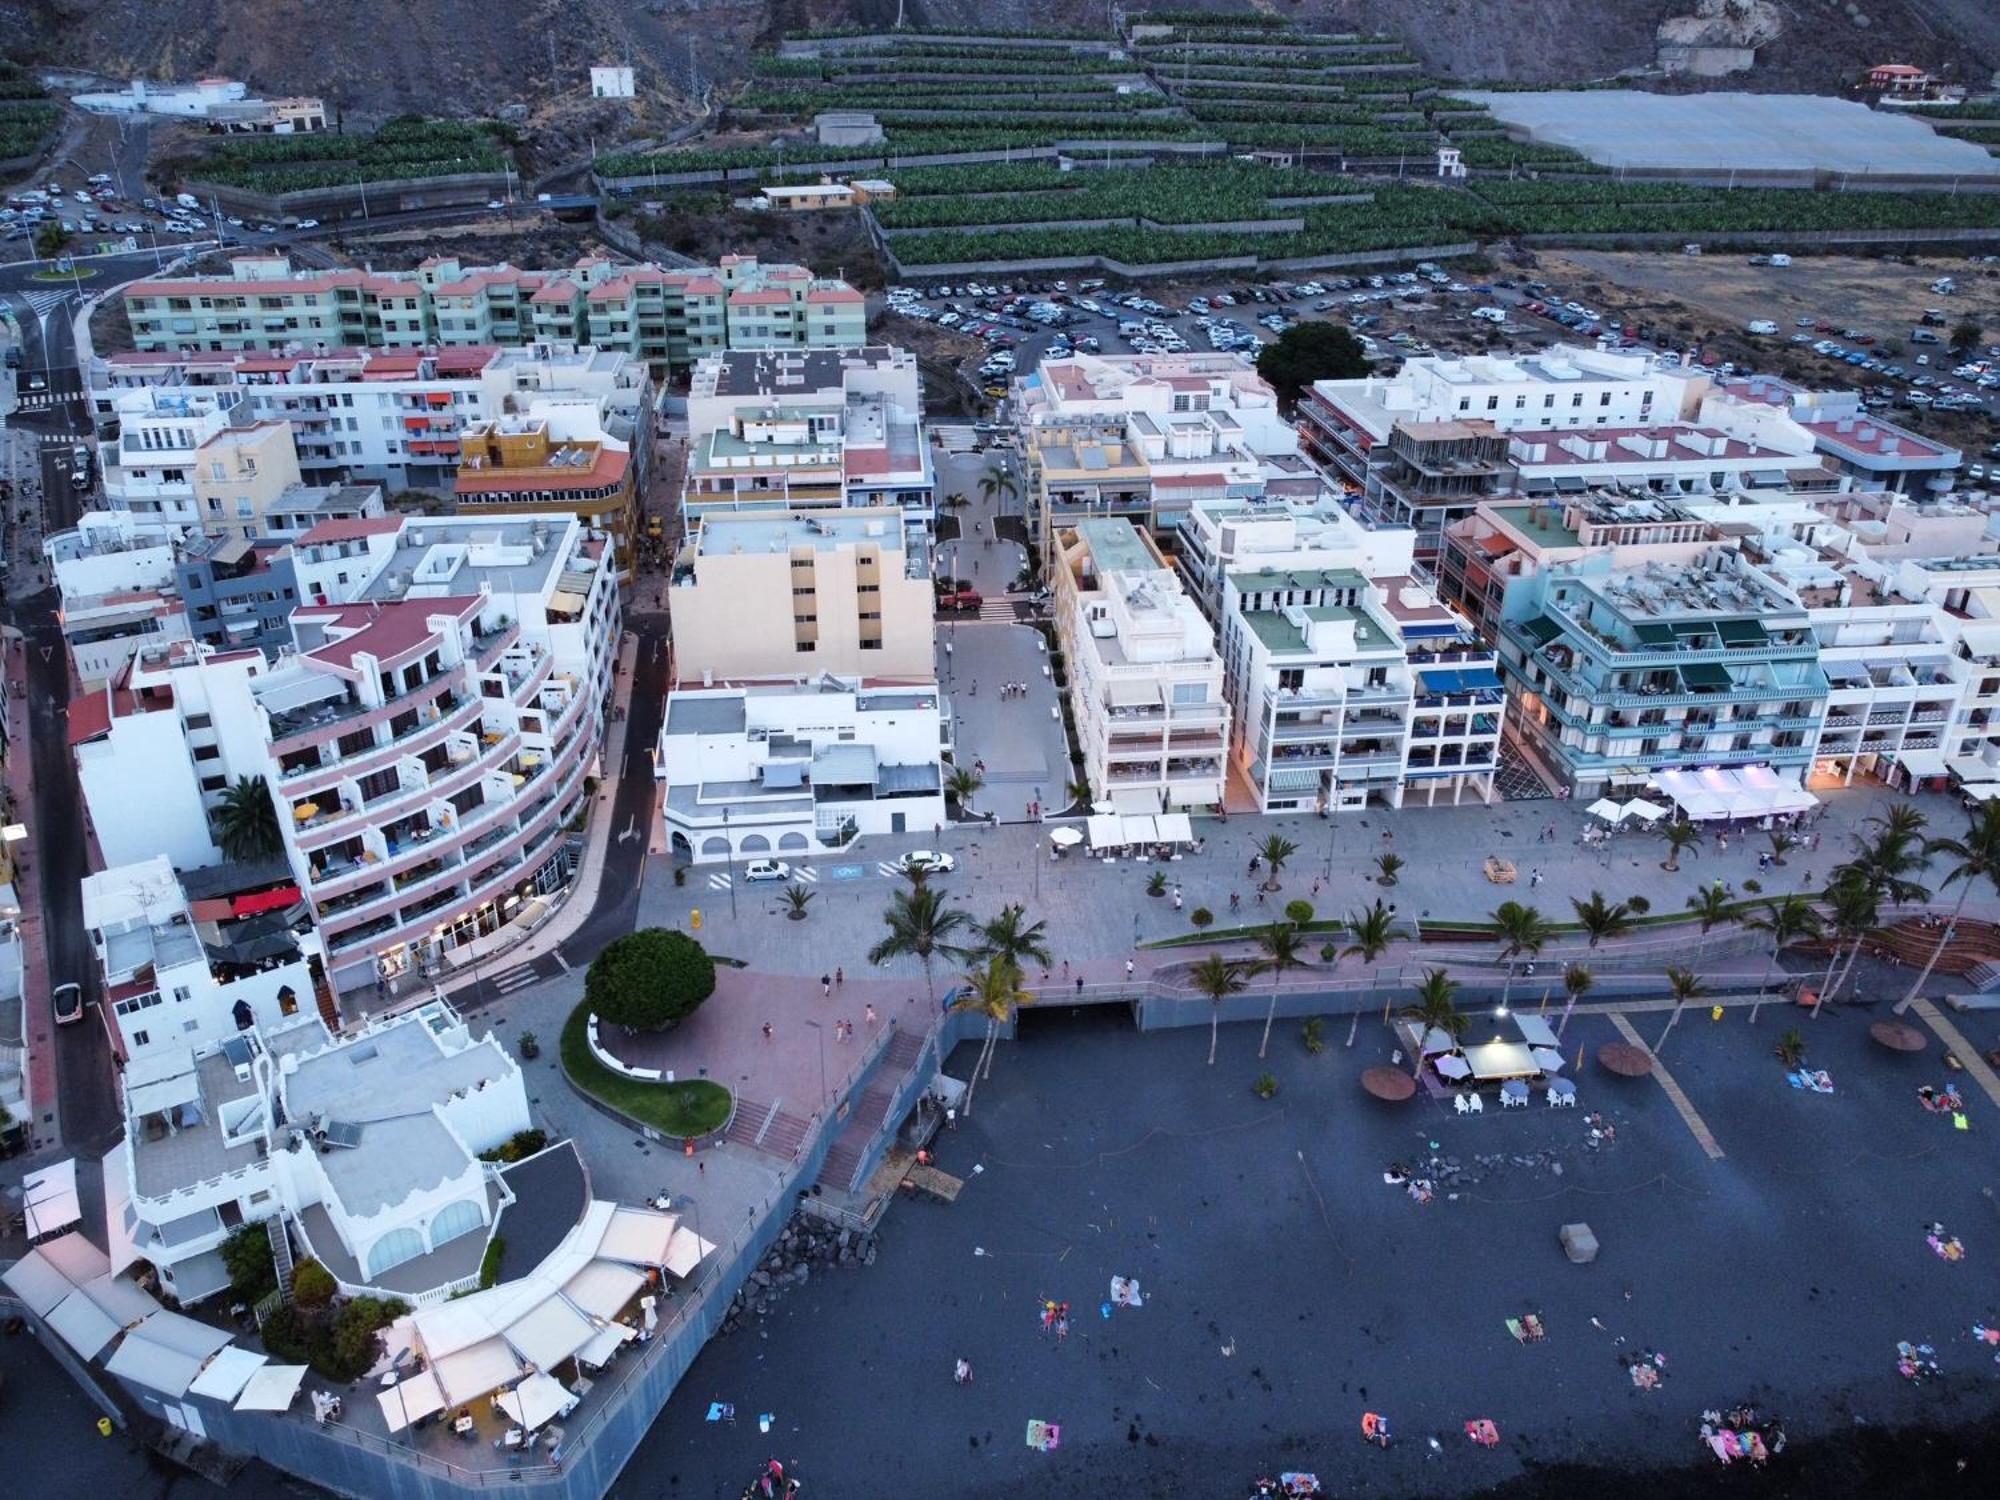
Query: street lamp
point(821, 1030)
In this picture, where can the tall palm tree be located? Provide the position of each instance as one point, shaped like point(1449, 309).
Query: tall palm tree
point(1685, 987)
point(1079, 789)
point(921, 925)
point(997, 481)
point(1602, 919)
point(1523, 929)
point(1975, 856)
point(994, 991)
point(963, 785)
point(1435, 1010)
point(1284, 948)
point(1680, 834)
point(246, 821)
point(1274, 851)
point(1853, 910)
point(1218, 978)
point(1786, 920)
point(1372, 929)
point(1577, 981)
point(1891, 860)
point(1711, 908)
point(1012, 937)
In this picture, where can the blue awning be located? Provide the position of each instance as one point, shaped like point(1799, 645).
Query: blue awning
point(1469, 680)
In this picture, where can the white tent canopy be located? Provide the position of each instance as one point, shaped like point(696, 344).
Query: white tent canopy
point(125, 1302)
point(76, 1258)
point(37, 1282)
point(1065, 836)
point(1501, 1060)
point(1606, 809)
point(550, 1333)
point(686, 1252)
point(476, 1369)
point(410, 1400)
point(165, 1352)
point(1107, 831)
point(1451, 1065)
point(1535, 1031)
point(48, 1199)
point(272, 1388)
point(82, 1325)
point(1140, 828)
point(603, 1287)
point(637, 1236)
point(1981, 791)
point(536, 1401)
point(603, 1344)
point(1646, 812)
point(1136, 800)
point(1731, 792)
point(1175, 828)
point(227, 1373)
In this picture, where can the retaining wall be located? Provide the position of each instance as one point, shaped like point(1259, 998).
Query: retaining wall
point(1787, 238)
point(1391, 256)
point(818, 46)
point(891, 161)
point(1234, 226)
point(405, 195)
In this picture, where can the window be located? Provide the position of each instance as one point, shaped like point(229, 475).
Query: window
point(395, 1247)
point(1493, 403)
point(142, 1038)
point(455, 1220)
point(182, 994)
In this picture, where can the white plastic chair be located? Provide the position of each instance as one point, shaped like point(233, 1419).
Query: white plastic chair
point(1458, 1103)
point(1477, 1105)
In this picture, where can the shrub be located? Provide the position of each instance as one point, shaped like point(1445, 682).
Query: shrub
point(519, 1146)
point(1266, 1086)
point(1201, 916)
point(312, 1284)
point(1639, 904)
point(489, 1263)
point(1156, 883)
point(649, 979)
point(340, 1343)
point(1298, 913)
point(356, 1328)
point(246, 1255)
point(1313, 1034)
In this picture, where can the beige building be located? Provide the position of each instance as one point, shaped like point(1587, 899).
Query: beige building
point(240, 473)
point(789, 595)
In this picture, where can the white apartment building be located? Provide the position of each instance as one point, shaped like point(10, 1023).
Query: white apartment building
point(1349, 682)
point(365, 1149)
point(424, 743)
point(148, 470)
point(796, 594)
point(1966, 591)
point(789, 772)
point(116, 583)
point(808, 430)
point(1145, 679)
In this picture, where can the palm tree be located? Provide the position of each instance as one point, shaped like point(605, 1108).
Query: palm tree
point(1079, 789)
point(1012, 937)
point(1274, 851)
point(1975, 857)
point(1218, 978)
point(1577, 981)
point(1284, 948)
point(1434, 1010)
point(797, 898)
point(1786, 919)
point(1853, 910)
point(919, 924)
point(246, 821)
point(962, 785)
point(997, 481)
point(1679, 834)
point(1782, 843)
point(1523, 929)
point(1373, 930)
point(1685, 986)
point(1890, 862)
point(1602, 919)
point(1710, 908)
point(995, 992)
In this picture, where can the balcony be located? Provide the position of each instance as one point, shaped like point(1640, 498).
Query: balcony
point(305, 728)
point(453, 716)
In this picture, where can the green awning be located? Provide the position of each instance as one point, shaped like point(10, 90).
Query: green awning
point(1741, 633)
point(1705, 675)
point(1541, 629)
point(1654, 635)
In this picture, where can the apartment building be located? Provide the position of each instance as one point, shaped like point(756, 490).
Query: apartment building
point(791, 771)
point(1617, 678)
point(798, 594)
point(364, 1149)
point(148, 470)
point(663, 316)
point(1966, 591)
point(117, 594)
point(390, 417)
point(241, 473)
point(1349, 682)
point(1145, 679)
point(424, 742)
point(813, 430)
point(1872, 452)
point(237, 594)
point(556, 459)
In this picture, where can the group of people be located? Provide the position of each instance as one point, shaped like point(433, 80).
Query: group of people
point(1741, 1432)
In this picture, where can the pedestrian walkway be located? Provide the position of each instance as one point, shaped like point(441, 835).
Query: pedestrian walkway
point(37, 1023)
point(1975, 1065)
point(1683, 1106)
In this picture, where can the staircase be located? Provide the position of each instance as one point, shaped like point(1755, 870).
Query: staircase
point(1974, 944)
point(1984, 976)
point(768, 1128)
point(904, 1049)
point(843, 1158)
point(281, 1256)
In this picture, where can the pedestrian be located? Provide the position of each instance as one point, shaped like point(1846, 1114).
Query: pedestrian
point(975, 687)
point(1065, 968)
point(962, 1373)
point(1534, 879)
point(840, 976)
point(868, 1013)
point(701, 1167)
point(767, 1031)
point(1129, 968)
point(825, 985)
point(1079, 984)
point(1260, 895)
point(1235, 901)
point(1315, 889)
point(1177, 900)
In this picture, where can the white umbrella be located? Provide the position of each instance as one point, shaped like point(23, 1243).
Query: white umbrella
point(1650, 812)
point(1064, 837)
point(1451, 1065)
point(1547, 1059)
point(1606, 809)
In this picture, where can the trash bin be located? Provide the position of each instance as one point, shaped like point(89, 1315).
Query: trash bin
point(1579, 1243)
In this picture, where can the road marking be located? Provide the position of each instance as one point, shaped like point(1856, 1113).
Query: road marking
point(806, 873)
point(514, 979)
point(631, 829)
point(718, 882)
point(890, 868)
point(847, 872)
point(1690, 1117)
point(1963, 1050)
point(561, 962)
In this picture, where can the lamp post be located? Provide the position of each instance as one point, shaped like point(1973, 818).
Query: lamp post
point(821, 1030)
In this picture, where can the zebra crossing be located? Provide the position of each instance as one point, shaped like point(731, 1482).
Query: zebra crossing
point(46, 401)
point(957, 439)
point(43, 300)
point(509, 980)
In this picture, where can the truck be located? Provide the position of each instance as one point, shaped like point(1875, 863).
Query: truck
point(1761, 325)
point(187, 200)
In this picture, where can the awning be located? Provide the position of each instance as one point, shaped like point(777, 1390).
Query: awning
point(165, 1353)
point(686, 1252)
point(1140, 829)
point(1492, 1060)
point(637, 1236)
point(1651, 634)
point(603, 1287)
point(82, 1325)
point(227, 1374)
point(1981, 791)
point(1436, 1040)
point(272, 1388)
point(124, 1302)
point(536, 1401)
point(1466, 680)
point(1136, 801)
point(595, 1354)
point(1741, 633)
point(1746, 792)
point(1547, 1059)
point(183, 1334)
point(1065, 836)
point(275, 899)
point(1606, 809)
point(411, 1400)
point(1451, 1065)
point(1541, 629)
point(1704, 674)
point(1649, 812)
point(1106, 831)
point(37, 1283)
point(1921, 762)
point(200, 1276)
point(48, 1198)
point(567, 602)
point(1175, 828)
point(1535, 1031)
point(550, 1333)
point(476, 1369)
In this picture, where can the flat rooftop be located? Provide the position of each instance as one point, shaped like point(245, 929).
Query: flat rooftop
point(487, 550)
point(1116, 547)
point(1541, 524)
point(1720, 131)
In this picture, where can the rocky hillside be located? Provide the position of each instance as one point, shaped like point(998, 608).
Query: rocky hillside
point(376, 57)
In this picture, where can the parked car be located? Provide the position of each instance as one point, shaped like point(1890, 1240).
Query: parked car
point(67, 1003)
point(929, 861)
point(767, 869)
point(963, 601)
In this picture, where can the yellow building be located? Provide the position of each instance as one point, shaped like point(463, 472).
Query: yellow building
point(239, 473)
point(519, 464)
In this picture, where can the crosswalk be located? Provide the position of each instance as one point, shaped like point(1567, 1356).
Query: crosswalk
point(509, 980)
point(47, 401)
point(42, 300)
point(957, 439)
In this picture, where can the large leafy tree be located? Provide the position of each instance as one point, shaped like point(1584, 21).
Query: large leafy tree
point(246, 821)
point(1306, 352)
point(649, 979)
point(921, 924)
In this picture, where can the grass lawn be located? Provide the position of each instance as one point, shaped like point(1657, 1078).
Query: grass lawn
point(694, 1107)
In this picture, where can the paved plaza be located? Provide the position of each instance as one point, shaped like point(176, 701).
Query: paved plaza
point(1288, 1289)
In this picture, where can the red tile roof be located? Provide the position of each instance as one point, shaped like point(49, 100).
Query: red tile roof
point(833, 294)
point(759, 299)
point(351, 529)
point(386, 632)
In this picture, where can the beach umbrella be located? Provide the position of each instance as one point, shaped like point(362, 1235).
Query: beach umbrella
point(1390, 1084)
point(1625, 1060)
point(1898, 1036)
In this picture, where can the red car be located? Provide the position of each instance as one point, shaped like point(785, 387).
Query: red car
point(962, 602)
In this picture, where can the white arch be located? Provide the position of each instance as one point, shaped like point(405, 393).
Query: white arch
point(395, 1247)
point(456, 1219)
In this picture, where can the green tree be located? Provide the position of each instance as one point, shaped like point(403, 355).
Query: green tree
point(1577, 981)
point(1274, 851)
point(312, 1284)
point(649, 979)
point(1283, 949)
point(962, 786)
point(1710, 907)
point(1522, 929)
point(1853, 910)
point(797, 899)
point(1435, 1009)
point(993, 991)
point(1684, 986)
point(920, 924)
point(1218, 979)
point(997, 481)
point(1785, 920)
point(51, 240)
point(1602, 919)
point(1965, 337)
point(1975, 858)
point(1013, 937)
point(246, 1256)
point(1680, 834)
point(1370, 932)
point(1306, 352)
point(246, 821)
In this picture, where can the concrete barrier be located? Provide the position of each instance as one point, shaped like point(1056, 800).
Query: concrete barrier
point(356, 200)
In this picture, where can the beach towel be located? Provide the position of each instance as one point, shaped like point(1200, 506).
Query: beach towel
point(1125, 1292)
point(1044, 1437)
point(721, 1411)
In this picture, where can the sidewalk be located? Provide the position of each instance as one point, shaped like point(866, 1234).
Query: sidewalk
point(37, 1023)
